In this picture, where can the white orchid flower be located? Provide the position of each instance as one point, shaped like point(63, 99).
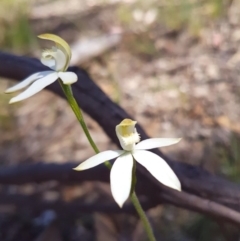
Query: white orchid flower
point(121, 172)
point(57, 58)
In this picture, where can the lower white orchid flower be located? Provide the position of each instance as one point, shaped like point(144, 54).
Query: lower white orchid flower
point(121, 172)
point(57, 58)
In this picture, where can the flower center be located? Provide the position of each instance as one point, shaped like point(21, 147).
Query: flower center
point(127, 134)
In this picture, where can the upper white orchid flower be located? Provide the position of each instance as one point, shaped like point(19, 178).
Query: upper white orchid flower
point(57, 58)
point(121, 172)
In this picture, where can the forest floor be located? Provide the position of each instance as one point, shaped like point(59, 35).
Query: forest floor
point(177, 76)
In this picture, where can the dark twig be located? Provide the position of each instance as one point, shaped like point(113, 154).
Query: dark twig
point(194, 179)
point(72, 208)
point(40, 172)
point(203, 206)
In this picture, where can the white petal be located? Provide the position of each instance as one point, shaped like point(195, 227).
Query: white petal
point(60, 58)
point(98, 159)
point(51, 63)
point(36, 87)
point(156, 142)
point(54, 58)
point(158, 168)
point(121, 178)
point(24, 83)
point(68, 77)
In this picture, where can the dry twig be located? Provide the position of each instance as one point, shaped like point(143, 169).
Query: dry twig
point(202, 191)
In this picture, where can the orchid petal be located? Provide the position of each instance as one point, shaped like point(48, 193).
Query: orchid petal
point(36, 87)
point(24, 83)
point(156, 142)
point(51, 63)
point(60, 59)
point(68, 77)
point(98, 159)
point(158, 168)
point(54, 58)
point(121, 178)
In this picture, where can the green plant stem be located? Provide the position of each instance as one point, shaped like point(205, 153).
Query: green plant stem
point(78, 113)
point(142, 216)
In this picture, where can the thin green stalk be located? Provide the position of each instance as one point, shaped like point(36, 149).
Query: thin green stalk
point(78, 113)
point(142, 216)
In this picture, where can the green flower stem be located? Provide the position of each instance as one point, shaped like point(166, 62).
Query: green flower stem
point(78, 113)
point(142, 216)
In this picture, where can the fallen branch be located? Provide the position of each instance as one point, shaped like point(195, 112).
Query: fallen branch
point(72, 208)
point(194, 179)
point(63, 173)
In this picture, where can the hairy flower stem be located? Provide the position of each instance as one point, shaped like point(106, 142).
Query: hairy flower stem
point(142, 216)
point(78, 113)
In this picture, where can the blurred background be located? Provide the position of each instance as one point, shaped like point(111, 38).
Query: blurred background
point(173, 65)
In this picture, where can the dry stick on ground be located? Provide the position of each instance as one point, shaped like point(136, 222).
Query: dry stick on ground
point(37, 204)
point(63, 173)
point(194, 179)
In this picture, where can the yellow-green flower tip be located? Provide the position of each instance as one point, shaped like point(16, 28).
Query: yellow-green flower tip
point(127, 122)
